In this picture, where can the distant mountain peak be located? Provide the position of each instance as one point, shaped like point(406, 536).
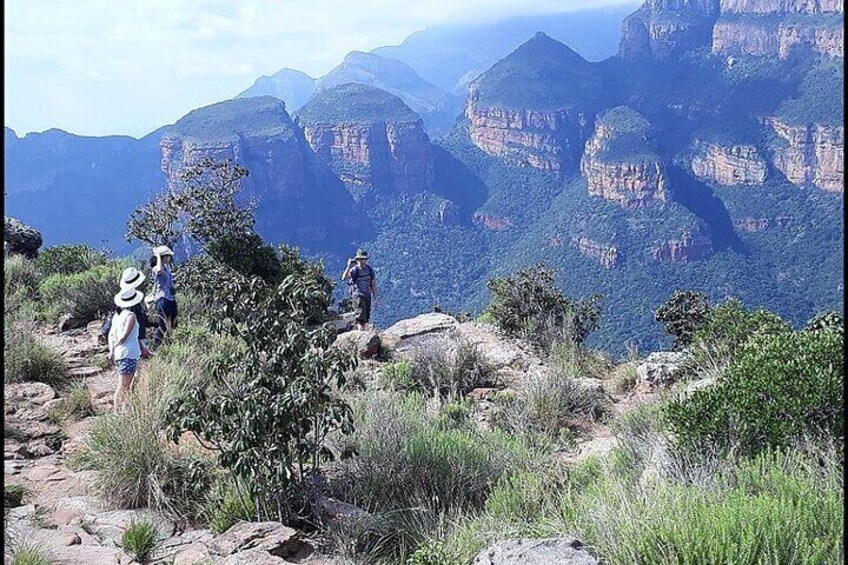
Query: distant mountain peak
point(355, 102)
point(228, 119)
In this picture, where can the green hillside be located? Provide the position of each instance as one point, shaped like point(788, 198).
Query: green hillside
point(354, 103)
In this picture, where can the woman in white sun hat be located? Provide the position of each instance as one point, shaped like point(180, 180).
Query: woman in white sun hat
point(163, 292)
point(133, 278)
point(124, 345)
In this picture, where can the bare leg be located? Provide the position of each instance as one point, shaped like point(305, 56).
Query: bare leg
point(124, 386)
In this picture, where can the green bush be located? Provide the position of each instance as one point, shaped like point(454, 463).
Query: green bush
point(248, 256)
point(431, 552)
point(140, 539)
point(27, 358)
point(778, 386)
point(683, 313)
point(86, 296)
point(729, 325)
point(30, 555)
point(827, 321)
point(20, 275)
point(529, 304)
point(397, 375)
point(76, 404)
point(225, 507)
point(69, 259)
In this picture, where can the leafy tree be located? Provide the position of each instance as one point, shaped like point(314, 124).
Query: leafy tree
point(199, 207)
point(529, 303)
point(729, 325)
point(779, 387)
point(247, 255)
point(683, 313)
point(827, 321)
point(272, 403)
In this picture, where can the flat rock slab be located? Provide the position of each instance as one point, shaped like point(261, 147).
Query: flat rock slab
point(423, 324)
point(549, 551)
point(32, 393)
point(254, 557)
point(90, 555)
point(271, 537)
point(108, 527)
point(88, 371)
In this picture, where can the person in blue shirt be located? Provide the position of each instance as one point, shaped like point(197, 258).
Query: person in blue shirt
point(363, 283)
point(163, 292)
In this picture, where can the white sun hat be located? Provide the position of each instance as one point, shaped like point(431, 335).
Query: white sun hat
point(131, 278)
point(128, 298)
point(162, 250)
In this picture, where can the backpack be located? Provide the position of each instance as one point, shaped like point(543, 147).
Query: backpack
point(105, 328)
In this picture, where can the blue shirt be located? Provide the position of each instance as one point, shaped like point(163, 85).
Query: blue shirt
point(361, 278)
point(164, 284)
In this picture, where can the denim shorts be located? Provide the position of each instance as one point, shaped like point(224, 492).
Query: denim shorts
point(127, 366)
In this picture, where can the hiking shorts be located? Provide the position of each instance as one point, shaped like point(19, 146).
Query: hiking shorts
point(127, 366)
point(362, 307)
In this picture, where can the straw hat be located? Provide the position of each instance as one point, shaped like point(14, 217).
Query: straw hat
point(131, 278)
point(128, 298)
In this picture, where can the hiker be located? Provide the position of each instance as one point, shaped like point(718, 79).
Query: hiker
point(163, 292)
point(363, 284)
point(124, 345)
point(130, 278)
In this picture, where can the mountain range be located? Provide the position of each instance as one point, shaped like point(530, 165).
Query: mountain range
point(706, 153)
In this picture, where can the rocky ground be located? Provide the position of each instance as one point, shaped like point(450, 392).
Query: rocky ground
point(63, 515)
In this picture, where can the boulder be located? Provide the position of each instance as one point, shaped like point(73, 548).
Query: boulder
point(423, 324)
point(366, 344)
point(344, 322)
point(271, 537)
point(33, 393)
point(20, 238)
point(68, 322)
point(90, 555)
point(549, 551)
point(659, 368)
point(193, 554)
point(334, 511)
point(695, 386)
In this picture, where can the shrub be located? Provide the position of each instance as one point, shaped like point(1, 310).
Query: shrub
point(20, 275)
point(827, 321)
point(30, 555)
point(248, 256)
point(76, 405)
point(27, 358)
point(69, 259)
point(729, 325)
point(225, 506)
point(86, 296)
point(431, 552)
point(777, 387)
point(530, 305)
point(140, 539)
point(449, 371)
point(397, 375)
point(683, 313)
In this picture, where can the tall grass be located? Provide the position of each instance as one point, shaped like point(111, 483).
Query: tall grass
point(449, 371)
point(27, 358)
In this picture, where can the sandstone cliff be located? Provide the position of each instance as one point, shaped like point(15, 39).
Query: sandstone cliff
point(728, 164)
point(256, 132)
point(620, 162)
point(662, 28)
point(772, 35)
point(535, 107)
point(375, 144)
point(810, 154)
point(608, 256)
point(690, 246)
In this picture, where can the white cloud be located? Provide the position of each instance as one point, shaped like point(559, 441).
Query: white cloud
point(98, 66)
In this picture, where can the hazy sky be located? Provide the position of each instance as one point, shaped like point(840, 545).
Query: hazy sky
point(97, 67)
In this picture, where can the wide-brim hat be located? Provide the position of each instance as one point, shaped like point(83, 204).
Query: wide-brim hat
point(162, 250)
point(128, 298)
point(131, 278)
point(361, 254)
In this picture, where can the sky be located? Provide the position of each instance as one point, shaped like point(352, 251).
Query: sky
point(101, 67)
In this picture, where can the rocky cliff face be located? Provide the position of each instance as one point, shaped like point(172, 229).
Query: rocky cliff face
point(781, 6)
point(620, 164)
point(549, 140)
point(810, 154)
point(662, 28)
point(380, 152)
point(751, 35)
point(491, 222)
point(608, 256)
point(255, 132)
point(728, 165)
point(691, 246)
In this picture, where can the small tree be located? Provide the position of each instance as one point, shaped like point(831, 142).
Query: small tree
point(530, 304)
point(683, 313)
point(272, 404)
point(200, 206)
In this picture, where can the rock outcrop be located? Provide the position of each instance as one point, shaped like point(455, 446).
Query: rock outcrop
point(761, 224)
point(690, 246)
point(20, 238)
point(665, 28)
point(728, 164)
point(373, 142)
point(608, 256)
point(620, 162)
point(810, 154)
point(528, 121)
point(562, 551)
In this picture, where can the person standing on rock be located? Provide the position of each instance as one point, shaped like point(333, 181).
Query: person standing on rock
point(163, 292)
point(124, 345)
point(363, 283)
